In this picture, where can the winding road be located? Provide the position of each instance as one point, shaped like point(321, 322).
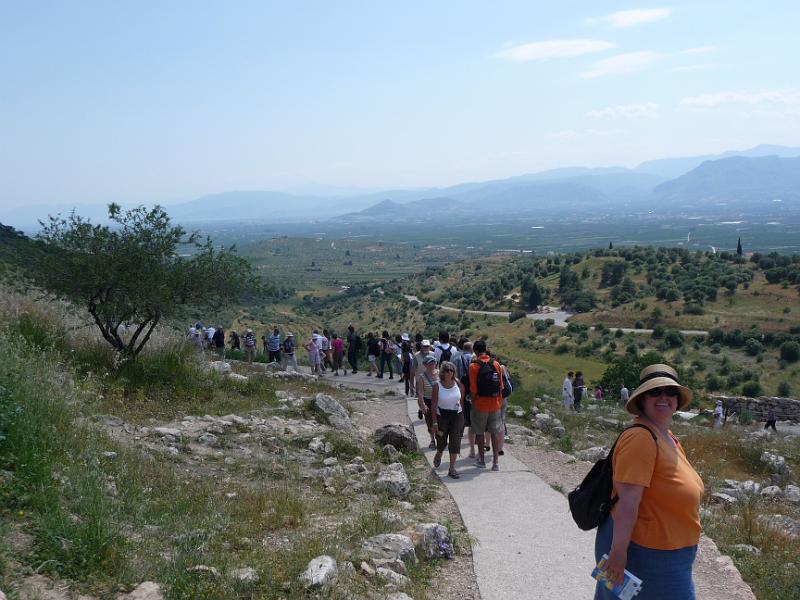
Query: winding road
point(560, 317)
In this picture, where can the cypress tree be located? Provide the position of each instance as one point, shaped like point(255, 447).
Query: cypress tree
point(739, 247)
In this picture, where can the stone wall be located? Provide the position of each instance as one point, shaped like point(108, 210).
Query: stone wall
point(786, 409)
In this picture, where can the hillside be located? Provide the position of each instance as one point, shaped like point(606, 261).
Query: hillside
point(737, 182)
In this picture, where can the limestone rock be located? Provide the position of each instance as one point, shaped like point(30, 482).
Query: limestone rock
point(317, 445)
point(334, 412)
point(219, 367)
point(321, 572)
point(235, 377)
point(722, 498)
point(209, 439)
point(746, 548)
point(390, 452)
point(395, 579)
point(772, 491)
point(434, 541)
point(393, 479)
point(399, 596)
point(246, 575)
point(781, 473)
point(169, 433)
point(400, 436)
point(782, 523)
point(203, 570)
point(592, 454)
point(148, 590)
point(390, 546)
point(792, 494)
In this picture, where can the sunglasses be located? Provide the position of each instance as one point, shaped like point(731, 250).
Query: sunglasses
point(446, 370)
point(672, 392)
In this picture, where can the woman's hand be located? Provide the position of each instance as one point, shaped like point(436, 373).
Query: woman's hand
point(615, 567)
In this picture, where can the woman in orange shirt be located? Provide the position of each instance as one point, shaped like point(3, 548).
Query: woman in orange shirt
point(654, 526)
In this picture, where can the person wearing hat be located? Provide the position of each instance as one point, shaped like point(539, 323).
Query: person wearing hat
point(654, 527)
point(289, 357)
point(425, 381)
point(249, 341)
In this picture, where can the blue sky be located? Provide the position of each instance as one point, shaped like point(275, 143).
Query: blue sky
point(158, 102)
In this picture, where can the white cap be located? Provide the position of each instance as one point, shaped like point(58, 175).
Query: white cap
point(426, 342)
point(404, 337)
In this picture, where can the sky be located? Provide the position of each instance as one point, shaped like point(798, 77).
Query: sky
point(168, 101)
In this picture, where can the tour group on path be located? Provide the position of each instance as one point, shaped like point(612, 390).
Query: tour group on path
point(525, 545)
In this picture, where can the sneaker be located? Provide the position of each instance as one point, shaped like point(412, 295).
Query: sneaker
point(454, 474)
point(495, 467)
point(501, 452)
point(432, 444)
point(369, 374)
point(481, 464)
point(472, 452)
point(391, 376)
point(437, 460)
point(486, 448)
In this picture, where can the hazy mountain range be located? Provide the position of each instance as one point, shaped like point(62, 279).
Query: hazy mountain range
point(739, 178)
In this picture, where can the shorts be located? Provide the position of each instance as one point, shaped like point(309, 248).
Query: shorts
point(467, 413)
point(371, 358)
point(429, 414)
point(486, 422)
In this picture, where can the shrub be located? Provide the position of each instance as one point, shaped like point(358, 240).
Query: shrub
point(715, 349)
point(516, 316)
point(713, 383)
point(659, 331)
point(753, 347)
point(673, 338)
point(790, 351)
point(784, 389)
point(752, 389)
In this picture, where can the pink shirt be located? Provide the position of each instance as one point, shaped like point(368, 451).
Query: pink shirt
point(337, 345)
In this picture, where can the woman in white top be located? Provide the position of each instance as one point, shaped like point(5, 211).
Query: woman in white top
point(447, 411)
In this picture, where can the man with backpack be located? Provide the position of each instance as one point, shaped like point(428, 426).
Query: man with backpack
point(443, 350)
point(486, 387)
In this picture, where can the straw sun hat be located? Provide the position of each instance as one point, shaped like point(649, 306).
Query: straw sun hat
point(656, 376)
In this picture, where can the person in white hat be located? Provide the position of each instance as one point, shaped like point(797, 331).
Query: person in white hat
point(289, 356)
point(249, 341)
point(654, 527)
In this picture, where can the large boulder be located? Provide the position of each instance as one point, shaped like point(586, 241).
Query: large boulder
point(792, 494)
point(219, 367)
point(400, 436)
point(321, 572)
point(390, 546)
point(334, 412)
point(781, 473)
point(592, 454)
point(393, 479)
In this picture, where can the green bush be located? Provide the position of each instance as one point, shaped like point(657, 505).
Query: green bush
point(784, 389)
point(516, 315)
point(790, 351)
point(752, 389)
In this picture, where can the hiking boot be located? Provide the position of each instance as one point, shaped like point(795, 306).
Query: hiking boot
point(495, 467)
point(481, 464)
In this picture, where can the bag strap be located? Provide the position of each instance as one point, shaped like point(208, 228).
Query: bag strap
point(611, 452)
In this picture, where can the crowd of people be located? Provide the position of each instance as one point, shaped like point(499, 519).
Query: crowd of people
point(653, 528)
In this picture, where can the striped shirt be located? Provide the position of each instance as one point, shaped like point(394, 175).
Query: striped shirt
point(249, 340)
point(274, 343)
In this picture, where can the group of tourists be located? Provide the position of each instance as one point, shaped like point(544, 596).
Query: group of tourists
point(653, 527)
point(574, 391)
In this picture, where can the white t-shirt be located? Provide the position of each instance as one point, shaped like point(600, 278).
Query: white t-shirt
point(449, 398)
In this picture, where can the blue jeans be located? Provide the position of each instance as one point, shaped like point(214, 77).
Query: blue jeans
point(665, 574)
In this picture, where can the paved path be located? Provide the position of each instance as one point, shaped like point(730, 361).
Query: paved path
point(526, 543)
point(559, 317)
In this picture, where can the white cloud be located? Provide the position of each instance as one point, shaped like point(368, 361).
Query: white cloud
point(622, 63)
point(699, 50)
point(626, 111)
point(770, 97)
point(630, 18)
point(554, 49)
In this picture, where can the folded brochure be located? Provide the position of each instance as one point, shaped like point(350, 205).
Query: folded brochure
point(629, 587)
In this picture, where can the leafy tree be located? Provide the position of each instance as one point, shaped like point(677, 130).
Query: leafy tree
point(531, 294)
point(130, 276)
point(626, 369)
